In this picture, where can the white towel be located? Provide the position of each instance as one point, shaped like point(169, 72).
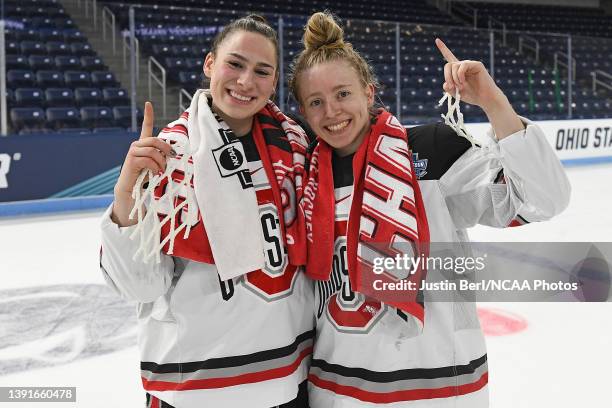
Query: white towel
point(229, 209)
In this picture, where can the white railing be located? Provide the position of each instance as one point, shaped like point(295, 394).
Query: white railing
point(501, 24)
point(184, 96)
point(93, 5)
point(597, 81)
point(530, 43)
point(561, 62)
point(160, 80)
point(126, 54)
point(108, 22)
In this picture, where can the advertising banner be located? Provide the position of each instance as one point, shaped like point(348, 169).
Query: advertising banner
point(43, 166)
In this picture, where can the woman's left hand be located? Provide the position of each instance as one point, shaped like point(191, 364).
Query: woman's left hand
point(474, 82)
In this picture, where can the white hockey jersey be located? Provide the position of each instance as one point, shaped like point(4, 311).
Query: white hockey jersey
point(210, 343)
point(368, 353)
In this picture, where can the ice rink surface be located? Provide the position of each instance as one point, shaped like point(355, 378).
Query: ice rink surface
point(61, 326)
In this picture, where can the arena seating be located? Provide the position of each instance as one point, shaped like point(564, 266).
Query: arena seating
point(590, 53)
point(421, 74)
point(390, 10)
point(49, 63)
point(57, 81)
point(550, 19)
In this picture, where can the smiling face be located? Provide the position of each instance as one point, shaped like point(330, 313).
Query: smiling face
point(336, 104)
point(242, 76)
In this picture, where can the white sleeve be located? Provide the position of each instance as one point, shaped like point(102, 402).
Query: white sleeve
point(134, 280)
point(519, 176)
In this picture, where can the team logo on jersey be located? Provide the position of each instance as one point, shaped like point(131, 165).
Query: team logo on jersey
point(276, 280)
point(420, 166)
point(230, 159)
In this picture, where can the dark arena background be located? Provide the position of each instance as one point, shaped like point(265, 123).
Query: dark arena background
point(74, 76)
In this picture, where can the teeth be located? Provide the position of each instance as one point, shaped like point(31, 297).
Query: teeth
point(240, 97)
point(337, 127)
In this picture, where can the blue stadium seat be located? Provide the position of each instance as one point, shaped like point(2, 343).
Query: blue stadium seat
point(162, 50)
point(58, 48)
point(51, 34)
point(73, 35)
point(76, 79)
point(123, 116)
point(103, 79)
point(29, 35)
point(20, 78)
point(200, 50)
point(59, 97)
point(16, 62)
point(115, 96)
point(38, 62)
point(27, 118)
point(172, 64)
point(48, 78)
point(97, 116)
point(41, 22)
point(30, 97)
point(81, 49)
point(92, 63)
point(88, 96)
point(33, 48)
point(182, 50)
point(63, 117)
point(188, 78)
point(65, 62)
point(194, 63)
point(13, 47)
point(51, 22)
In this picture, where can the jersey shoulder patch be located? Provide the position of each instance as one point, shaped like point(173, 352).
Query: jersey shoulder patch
point(435, 148)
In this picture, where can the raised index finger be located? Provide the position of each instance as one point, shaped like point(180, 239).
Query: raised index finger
point(147, 122)
point(446, 53)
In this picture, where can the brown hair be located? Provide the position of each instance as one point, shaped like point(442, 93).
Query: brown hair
point(324, 42)
point(253, 23)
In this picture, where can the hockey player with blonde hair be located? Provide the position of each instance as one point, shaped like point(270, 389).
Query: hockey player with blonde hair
point(374, 184)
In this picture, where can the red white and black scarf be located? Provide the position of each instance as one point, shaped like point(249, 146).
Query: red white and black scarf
point(204, 204)
point(387, 209)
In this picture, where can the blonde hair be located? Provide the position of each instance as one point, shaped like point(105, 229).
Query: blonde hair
point(324, 42)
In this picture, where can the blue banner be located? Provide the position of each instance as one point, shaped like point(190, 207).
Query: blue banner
point(52, 165)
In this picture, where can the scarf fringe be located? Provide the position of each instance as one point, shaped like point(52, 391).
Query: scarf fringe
point(143, 193)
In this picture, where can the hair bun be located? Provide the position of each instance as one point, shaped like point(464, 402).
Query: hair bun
point(322, 30)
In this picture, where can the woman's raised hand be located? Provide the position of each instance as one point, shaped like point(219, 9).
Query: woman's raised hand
point(477, 87)
point(147, 152)
point(474, 82)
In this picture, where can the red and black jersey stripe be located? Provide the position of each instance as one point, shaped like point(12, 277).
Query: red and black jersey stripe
point(400, 385)
point(228, 371)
